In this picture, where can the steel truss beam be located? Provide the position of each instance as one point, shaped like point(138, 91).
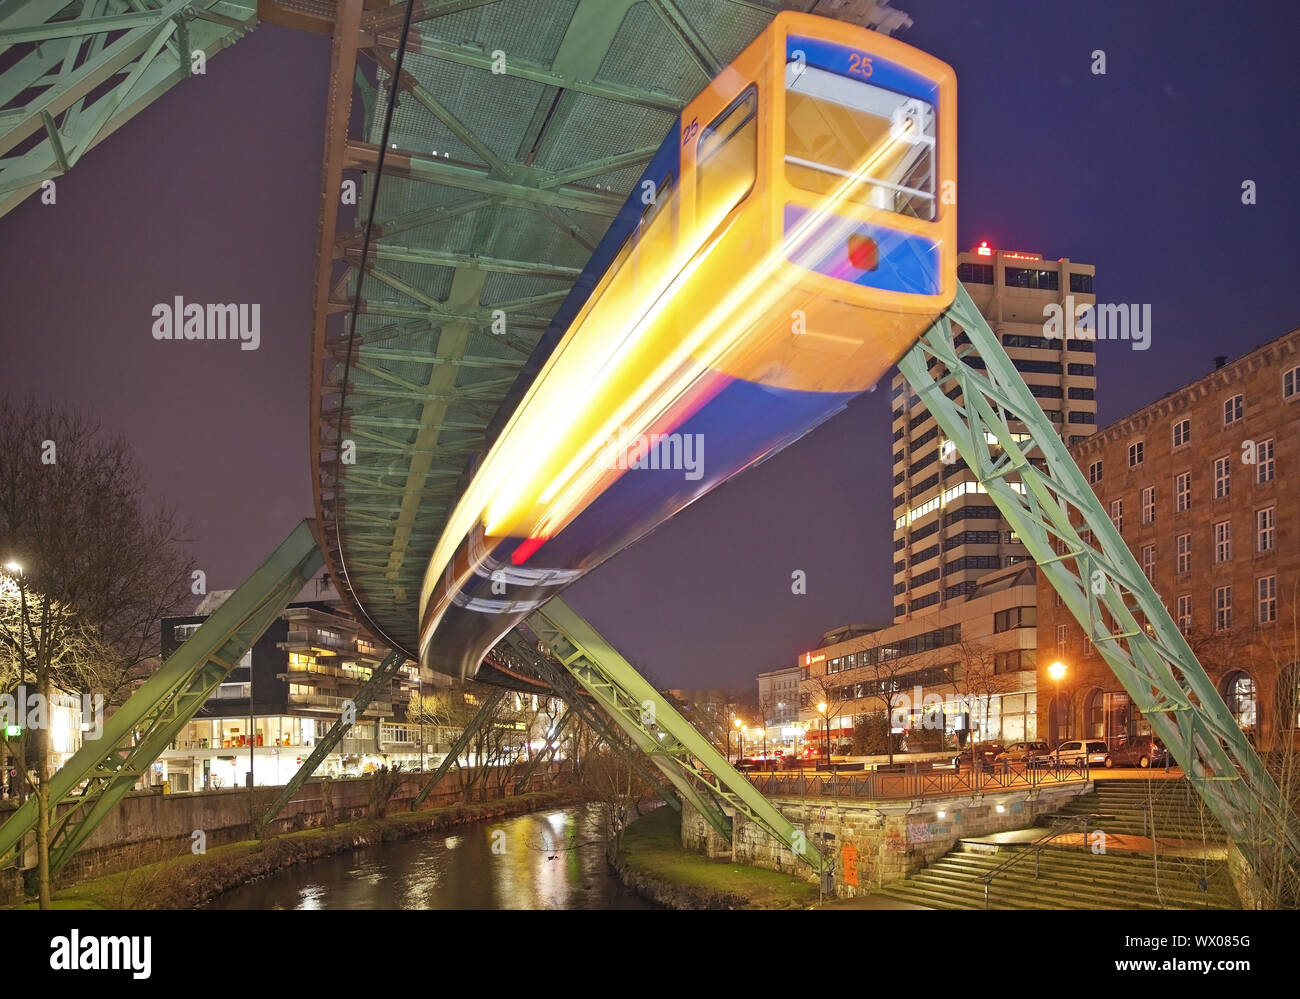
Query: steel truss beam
point(89, 74)
point(381, 679)
point(552, 744)
point(453, 755)
point(672, 743)
point(1103, 585)
point(165, 702)
point(574, 696)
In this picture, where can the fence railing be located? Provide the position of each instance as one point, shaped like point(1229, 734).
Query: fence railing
point(1069, 825)
point(915, 781)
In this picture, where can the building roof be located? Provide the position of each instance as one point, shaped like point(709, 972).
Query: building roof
point(1289, 340)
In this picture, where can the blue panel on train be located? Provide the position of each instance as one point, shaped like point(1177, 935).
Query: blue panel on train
point(903, 261)
point(870, 68)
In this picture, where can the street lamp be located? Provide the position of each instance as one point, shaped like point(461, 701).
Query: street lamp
point(826, 730)
point(761, 733)
point(1057, 672)
point(738, 723)
point(16, 569)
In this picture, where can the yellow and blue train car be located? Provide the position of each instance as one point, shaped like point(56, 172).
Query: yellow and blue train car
point(792, 237)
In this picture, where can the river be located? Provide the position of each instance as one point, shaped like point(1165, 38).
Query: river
point(546, 860)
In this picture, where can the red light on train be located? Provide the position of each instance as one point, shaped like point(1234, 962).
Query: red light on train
point(863, 253)
point(983, 249)
point(525, 551)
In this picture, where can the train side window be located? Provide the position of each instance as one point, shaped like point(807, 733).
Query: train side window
point(726, 160)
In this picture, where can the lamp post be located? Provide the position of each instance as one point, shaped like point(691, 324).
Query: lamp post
point(761, 733)
point(740, 755)
point(1057, 672)
point(738, 724)
point(15, 569)
point(826, 731)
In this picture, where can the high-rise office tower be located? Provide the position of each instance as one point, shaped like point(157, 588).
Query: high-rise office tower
point(947, 532)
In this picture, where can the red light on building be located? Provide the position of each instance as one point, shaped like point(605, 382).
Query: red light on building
point(983, 249)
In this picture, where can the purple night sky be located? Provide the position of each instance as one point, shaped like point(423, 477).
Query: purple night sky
point(211, 194)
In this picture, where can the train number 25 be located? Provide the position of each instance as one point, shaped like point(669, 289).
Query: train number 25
point(859, 65)
point(690, 131)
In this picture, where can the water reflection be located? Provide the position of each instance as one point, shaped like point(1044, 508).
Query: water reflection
point(554, 860)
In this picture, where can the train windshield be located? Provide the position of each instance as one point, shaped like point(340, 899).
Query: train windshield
point(868, 144)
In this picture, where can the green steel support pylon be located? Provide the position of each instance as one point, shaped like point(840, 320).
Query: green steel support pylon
point(380, 679)
point(560, 680)
point(552, 744)
point(162, 705)
point(673, 744)
point(453, 755)
point(1096, 581)
point(82, 70)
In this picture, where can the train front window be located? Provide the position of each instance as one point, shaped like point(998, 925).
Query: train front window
point(874, 146)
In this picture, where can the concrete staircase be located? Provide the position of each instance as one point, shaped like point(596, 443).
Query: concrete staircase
point(1072, 877)
point(1177, 810)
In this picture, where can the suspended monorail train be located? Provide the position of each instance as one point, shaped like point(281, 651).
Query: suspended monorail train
point(792, 237)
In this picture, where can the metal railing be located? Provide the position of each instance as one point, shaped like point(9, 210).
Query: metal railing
point(916, 781)
point(1036, 847)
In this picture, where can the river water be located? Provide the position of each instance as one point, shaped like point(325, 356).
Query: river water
point(546, 860)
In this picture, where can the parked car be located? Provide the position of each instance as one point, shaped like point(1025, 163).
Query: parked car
point(985, 754)
point(1144, 751)
point(1022, 752)
point(1078, 751)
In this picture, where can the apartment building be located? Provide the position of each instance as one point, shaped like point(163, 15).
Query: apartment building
point(1204, 486)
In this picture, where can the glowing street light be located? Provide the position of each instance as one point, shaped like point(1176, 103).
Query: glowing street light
point(14, 567)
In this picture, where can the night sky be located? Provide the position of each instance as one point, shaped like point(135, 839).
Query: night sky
point(211, 194)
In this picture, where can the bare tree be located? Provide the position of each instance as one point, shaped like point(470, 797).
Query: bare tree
point(96, 565)
point(824, 689)
point(611, 779)
point(978, 681)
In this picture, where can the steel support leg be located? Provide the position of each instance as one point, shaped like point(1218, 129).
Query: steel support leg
point(684, 755)
point(578, 700)
point(1101, 583)
point(165, 702)
point(380, 679)
point(552, 744)
point(453, 755)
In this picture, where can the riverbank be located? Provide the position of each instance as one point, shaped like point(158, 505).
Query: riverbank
point(657, 867)
point(189, 881)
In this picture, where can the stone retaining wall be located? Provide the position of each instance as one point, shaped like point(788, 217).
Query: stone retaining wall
point(875, 841)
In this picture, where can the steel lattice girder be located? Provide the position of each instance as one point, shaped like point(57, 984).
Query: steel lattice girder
point(162, 705)
point(1155, 664)
point(77, 87)
point(672, 743)
point(462, 741)
point(519, 128)
point(381, 678)
point(578, 701)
